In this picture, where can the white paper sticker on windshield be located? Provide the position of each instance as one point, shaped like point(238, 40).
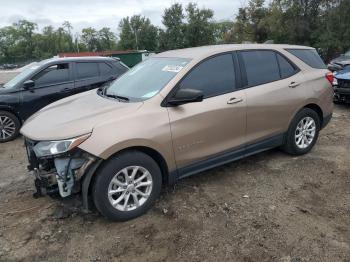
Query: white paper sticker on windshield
point(172, 68)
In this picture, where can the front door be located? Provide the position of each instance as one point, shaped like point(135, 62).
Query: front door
point(203, 130)
point(51, 84)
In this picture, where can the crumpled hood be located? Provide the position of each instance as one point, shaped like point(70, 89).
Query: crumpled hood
point(75, 116)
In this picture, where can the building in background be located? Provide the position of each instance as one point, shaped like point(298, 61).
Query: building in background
point(128, 57)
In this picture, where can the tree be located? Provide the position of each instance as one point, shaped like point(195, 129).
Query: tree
point(222, 32)
point(107, 39)
point(199, 28)
point(90, 39)
point(173, 37)
point(138, 33)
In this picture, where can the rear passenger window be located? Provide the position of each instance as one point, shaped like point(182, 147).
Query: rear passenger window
point(87, 70)
point(105, 69)
point(213, 77)
point(286, 68)
point(309, 57)
point(261, 67)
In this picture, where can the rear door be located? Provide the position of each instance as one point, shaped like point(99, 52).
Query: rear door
point(218, 123)
point(87, 76)
point(273, 93)
point(51, 84)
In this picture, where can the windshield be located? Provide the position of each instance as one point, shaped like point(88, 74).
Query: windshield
point(146, 79)
point(347, 53)
point(21, 76)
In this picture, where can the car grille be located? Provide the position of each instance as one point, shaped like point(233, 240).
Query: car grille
point(343, 83)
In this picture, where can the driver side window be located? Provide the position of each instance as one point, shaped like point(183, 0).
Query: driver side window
point(215, 76)
point(53, 74)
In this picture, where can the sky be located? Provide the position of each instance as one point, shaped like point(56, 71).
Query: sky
point(101, 13)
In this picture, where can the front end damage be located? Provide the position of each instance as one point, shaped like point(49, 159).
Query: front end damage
point(61, 173)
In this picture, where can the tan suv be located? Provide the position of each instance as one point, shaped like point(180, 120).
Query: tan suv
point(176, 114)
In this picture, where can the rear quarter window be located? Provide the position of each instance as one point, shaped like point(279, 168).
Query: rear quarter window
point(309, 57)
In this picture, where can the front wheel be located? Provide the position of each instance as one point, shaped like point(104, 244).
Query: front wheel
point(303, 132)
point(127, 186)
point(9, 126)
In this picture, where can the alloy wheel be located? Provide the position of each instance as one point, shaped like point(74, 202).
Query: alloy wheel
point(305, 132)
point(130, 188)
point(7, 127)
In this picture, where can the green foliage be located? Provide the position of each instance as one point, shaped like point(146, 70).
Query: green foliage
point(323, 24)
point(137, 33)
point(199, 27)
point(173, 37)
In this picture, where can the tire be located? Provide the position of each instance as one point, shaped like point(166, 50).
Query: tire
point(111, 177)
point(291, 145)
point(9, 126)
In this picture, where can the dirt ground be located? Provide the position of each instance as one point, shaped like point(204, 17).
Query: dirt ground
point(268, 207)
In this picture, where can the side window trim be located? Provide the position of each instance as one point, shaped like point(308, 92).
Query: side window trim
point(70, 75)
point(244, 72)
point(238, 81)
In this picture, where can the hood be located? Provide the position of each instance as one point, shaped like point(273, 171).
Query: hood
point(75, 116)
point(343, 74)
point(342, 60)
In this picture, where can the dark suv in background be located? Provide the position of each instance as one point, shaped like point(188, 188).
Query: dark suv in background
point(48, 81)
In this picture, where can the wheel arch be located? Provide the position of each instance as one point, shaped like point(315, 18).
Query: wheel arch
point(12, 111)
point(317, 109)
point(90, 176)
point(154, 154)
point(311, 105)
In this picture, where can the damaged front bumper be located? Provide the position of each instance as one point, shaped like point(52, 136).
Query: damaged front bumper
point(62, 173)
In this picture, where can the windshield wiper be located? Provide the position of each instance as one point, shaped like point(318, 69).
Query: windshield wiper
point(118, 97)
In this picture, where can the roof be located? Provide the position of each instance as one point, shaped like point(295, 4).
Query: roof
point(82, 58)
point(101, 53)
point(203, 51)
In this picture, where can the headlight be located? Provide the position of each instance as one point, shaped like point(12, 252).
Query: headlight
point(48, 148)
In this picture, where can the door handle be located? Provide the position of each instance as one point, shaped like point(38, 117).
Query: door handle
point(234, 100)
point(293, 84)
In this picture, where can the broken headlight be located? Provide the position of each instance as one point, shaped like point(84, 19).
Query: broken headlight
point(49, 148)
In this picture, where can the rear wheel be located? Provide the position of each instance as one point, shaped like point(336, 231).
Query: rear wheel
point(303, 132)
point(9, 126)
point(127, 186)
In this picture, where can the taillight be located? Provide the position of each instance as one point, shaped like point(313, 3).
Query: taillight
point(330, 77)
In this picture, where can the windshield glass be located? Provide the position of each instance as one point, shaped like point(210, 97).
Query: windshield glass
point(21, 76)
point(347, 53)
point(146, 79)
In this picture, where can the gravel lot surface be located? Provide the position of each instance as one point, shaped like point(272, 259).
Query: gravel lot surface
point(268, 207)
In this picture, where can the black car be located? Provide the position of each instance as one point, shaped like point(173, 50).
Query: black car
point(340, 62)
point(48, 81)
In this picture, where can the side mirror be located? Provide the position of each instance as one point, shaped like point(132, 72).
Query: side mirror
point(28, 84)
point(184, 96)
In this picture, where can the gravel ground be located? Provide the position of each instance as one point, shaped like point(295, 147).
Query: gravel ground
point(268, 207)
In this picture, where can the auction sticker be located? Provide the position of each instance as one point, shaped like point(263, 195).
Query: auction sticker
point(172, 68)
